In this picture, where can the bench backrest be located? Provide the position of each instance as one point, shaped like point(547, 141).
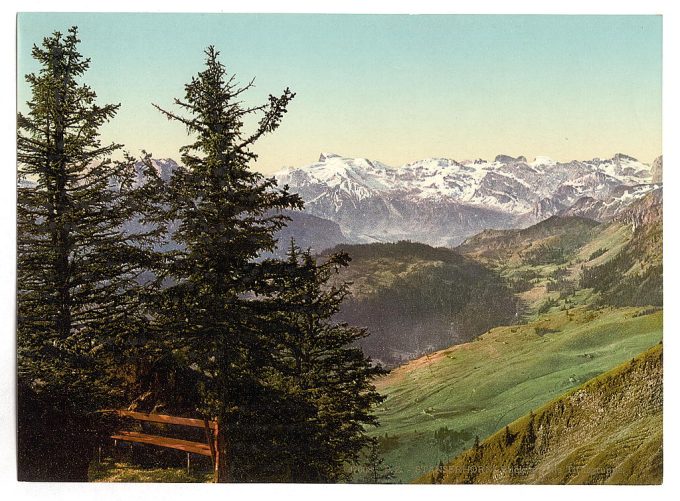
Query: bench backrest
point(165, 419)
point(207, 448)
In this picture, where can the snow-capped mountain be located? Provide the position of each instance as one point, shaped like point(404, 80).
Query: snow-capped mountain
point(164, 168)
point(442, 201)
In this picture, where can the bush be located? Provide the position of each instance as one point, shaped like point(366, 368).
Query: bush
point(597, 253)
point(545, 307)
point(545, 254)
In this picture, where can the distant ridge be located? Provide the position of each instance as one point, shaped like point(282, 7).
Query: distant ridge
point(441, 201)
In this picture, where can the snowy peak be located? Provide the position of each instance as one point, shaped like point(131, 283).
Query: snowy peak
point(626, 158)
point(358, 177)
point(324, 156)
point(508, 183)
point(507, 159)
point(164, 167)
point(543, 161)
point(625, 168)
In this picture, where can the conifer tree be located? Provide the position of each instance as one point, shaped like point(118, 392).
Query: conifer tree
point(529, 438)
point(508, 437)
point(77, 269)
point(440, 472)
point(377, 472)
point(227, 216)
point(325, 377)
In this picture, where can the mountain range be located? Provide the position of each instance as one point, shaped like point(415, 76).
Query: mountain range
point(441, 201)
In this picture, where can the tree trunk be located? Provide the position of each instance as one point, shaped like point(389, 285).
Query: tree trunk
point(221, 454)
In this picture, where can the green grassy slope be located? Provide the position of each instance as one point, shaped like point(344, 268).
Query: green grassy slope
point(437, 404)
point(546, 242)
point(609, 430)
point(563, 262)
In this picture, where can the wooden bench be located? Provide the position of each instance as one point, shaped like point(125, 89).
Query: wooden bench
point(207, 448)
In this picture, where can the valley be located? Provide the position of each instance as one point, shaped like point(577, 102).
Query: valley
point(489, 289)
point(590, 297)
point(437, 404)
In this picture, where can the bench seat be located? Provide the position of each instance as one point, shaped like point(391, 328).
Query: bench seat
point(172, 443)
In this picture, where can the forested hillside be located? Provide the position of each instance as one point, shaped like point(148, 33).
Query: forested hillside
point(414, 298)
point(634, 276)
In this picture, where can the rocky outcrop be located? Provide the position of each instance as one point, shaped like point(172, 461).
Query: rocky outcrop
point(657, 170)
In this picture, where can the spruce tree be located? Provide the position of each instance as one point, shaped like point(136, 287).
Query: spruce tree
point(377, 472)
point(508, 437)
point(77, 269)
point(440, 472)
point(324, 376)
point(227, 216)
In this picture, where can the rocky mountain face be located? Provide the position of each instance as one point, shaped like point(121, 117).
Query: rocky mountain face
point(657, 170)
point(443, 201)
point(611, 207)
point(644, 212)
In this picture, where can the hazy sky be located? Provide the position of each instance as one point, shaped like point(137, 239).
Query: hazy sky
point(394, 88)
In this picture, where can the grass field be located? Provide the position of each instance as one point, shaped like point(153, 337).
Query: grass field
point(607, 431)
point(437, 404)
point(110, 470)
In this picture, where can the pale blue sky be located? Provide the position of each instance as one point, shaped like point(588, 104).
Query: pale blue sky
point(395, 88)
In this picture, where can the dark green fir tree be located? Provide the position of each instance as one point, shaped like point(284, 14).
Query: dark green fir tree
point(324, 377)
point(376, 471)
point(77, 268)
point(227, 216)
